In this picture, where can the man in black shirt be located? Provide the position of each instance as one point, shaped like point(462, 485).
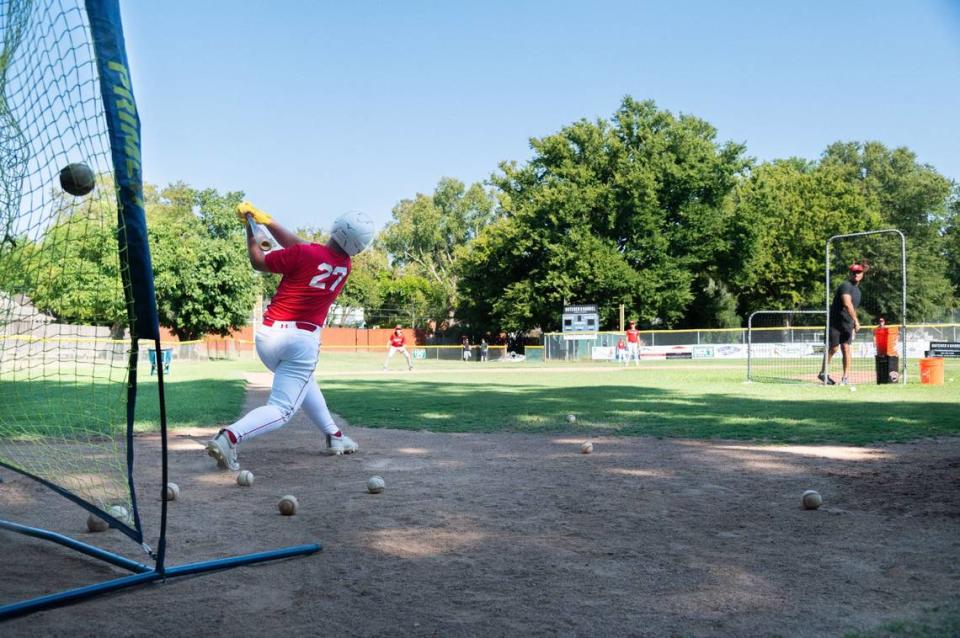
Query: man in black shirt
point(843, 322)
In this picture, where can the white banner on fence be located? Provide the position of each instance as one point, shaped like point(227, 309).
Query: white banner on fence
point(602, 353)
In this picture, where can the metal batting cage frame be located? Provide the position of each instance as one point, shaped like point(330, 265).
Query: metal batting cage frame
point(828, 292)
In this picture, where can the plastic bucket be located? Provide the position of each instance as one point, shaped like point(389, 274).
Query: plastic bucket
point(886, 340)
point(893, 340)
point(880, 341)
point(931, 371)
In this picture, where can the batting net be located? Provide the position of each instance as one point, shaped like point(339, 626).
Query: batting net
point(76, 296)
point(75, 279)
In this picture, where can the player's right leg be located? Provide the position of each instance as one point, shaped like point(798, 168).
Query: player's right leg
point(292, 355)
point(847, 352)
point(224, 451)
point(315, 407)
point(832, 350)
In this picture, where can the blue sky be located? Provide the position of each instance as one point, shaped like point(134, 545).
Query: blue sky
point(313, 108)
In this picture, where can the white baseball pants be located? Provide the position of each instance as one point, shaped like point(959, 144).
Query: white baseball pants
point(633, 352)
point(291, 354)
point(393, 350)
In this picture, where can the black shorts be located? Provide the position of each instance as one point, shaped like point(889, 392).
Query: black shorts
point(840, 334)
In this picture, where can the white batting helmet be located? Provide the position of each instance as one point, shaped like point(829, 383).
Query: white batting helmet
point(353, 231)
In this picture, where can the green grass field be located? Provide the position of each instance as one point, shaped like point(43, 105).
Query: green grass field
point(667, 399)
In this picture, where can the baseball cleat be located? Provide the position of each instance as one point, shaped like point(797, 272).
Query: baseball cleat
point(343, 444)
point(828, 380)
point(225, 452)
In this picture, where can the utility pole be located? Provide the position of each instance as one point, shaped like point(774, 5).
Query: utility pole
point(621, 317)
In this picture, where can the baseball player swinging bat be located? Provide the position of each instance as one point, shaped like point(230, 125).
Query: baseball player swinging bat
point(258, 234)
point(288, 341)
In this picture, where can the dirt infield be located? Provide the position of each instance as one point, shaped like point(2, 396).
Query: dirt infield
point(521, 535)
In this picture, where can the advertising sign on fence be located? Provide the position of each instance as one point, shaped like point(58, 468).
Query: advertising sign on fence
point(950, 349)
point(602, 353)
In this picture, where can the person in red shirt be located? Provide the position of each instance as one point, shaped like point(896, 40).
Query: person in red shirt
point(633, 343)
point(288, 342)
point(622, 352)
point(397, 343)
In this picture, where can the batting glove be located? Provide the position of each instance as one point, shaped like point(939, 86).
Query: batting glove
point(246, 208)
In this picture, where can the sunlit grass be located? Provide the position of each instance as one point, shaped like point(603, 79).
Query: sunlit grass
point(664, 399)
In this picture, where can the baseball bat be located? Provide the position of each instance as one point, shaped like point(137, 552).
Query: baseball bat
point(258, 234)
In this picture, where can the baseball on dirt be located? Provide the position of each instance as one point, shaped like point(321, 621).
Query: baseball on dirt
point(96, 524)
point(571, 418)
point(245, 478)
point(375, 484)
point(812, 500)
point(119, 512)
point(288, 505)
point(586, 447)
point(171, 492)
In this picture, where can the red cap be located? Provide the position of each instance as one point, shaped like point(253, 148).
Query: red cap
point(856, 268)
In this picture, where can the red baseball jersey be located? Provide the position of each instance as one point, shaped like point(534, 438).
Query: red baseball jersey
point(313, 276)
point(621, 345)
point(397, 341)
point(633, 335)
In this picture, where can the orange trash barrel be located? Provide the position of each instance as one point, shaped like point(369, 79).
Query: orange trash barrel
point(931, 371)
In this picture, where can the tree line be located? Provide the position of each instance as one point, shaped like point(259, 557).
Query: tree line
point(646, 209)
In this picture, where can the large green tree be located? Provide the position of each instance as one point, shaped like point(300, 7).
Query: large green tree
point(784, 213)
point(407, 299)
point(73, 271)
point(914, 198)
point(951, 243)
point(203, 277)
point(630, 210)
point(425, 233)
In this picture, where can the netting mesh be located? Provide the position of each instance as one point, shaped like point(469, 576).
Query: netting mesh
point(785, 346)
point(63, 310)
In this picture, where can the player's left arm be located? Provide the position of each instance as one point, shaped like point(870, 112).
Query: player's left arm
point(283, 236)
point(258, 258)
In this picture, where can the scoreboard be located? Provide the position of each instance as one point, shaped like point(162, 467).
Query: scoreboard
point(581, 318)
